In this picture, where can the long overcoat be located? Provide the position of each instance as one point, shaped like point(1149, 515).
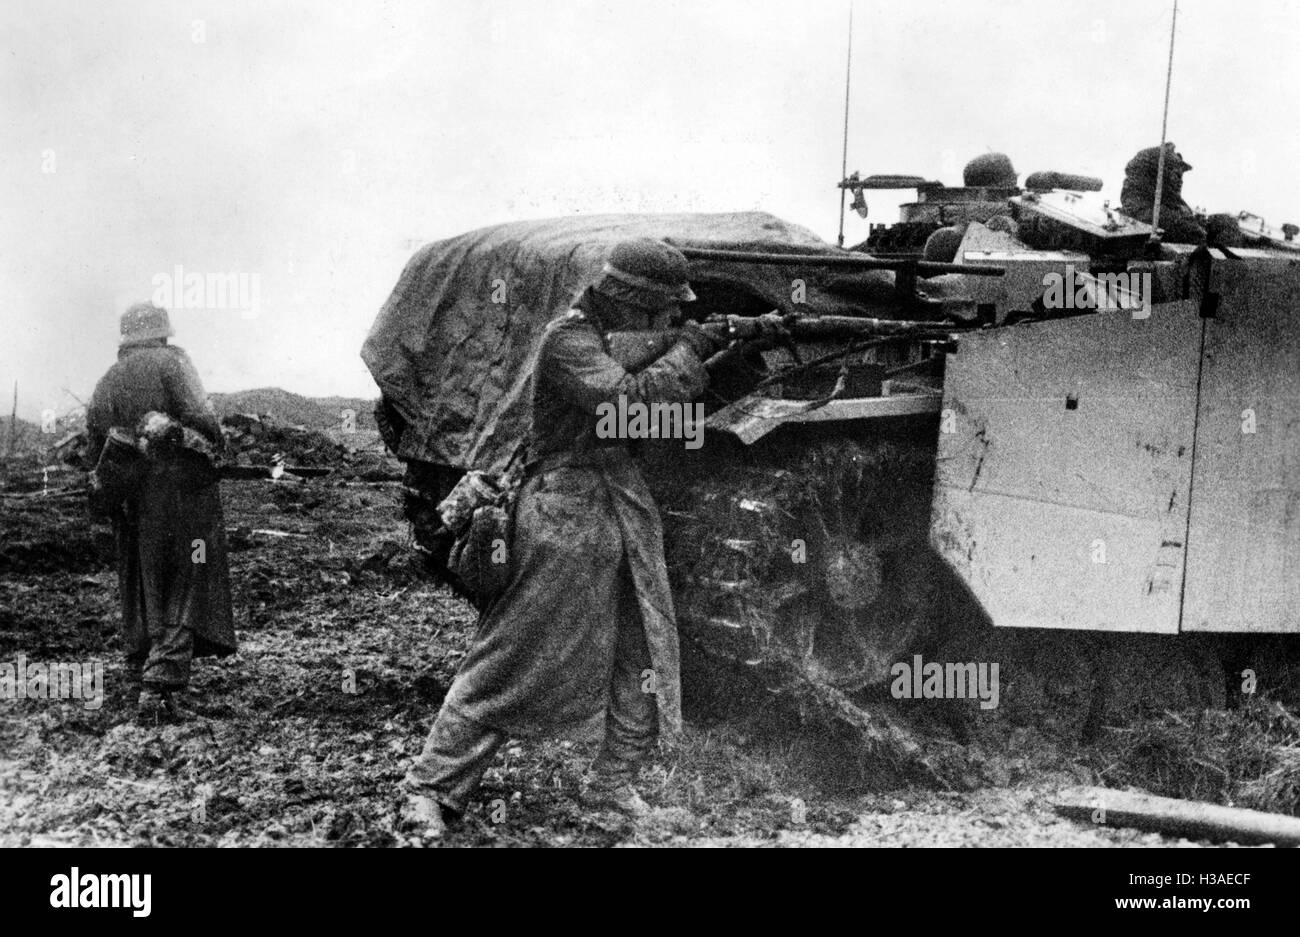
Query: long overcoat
point(587, 550)
point(163, 580)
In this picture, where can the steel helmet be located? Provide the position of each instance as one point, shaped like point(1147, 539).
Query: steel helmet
point(646, 272)
point(145, 322)
point(990, 169)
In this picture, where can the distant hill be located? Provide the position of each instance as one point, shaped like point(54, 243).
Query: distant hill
point(27, 436)
point(286, 407)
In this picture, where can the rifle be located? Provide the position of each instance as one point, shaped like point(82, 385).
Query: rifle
point(634, 350)
point(776, 328)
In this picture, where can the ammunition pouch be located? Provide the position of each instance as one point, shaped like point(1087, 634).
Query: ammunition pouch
point(118, 473)
point(480, 557)
point(478, 513)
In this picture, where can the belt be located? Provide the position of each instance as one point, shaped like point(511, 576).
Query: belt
point(608, 456)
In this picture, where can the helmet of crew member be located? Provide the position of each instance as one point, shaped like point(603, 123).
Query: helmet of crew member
point(990, 170)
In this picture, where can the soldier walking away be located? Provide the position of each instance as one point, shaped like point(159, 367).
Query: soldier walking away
point(585, 628)
point(170, 533)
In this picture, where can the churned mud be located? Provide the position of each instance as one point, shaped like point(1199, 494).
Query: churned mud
point(346, 650)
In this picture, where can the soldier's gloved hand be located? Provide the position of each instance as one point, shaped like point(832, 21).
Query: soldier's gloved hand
point(749, 328)
point(702, 341)
point(770, 324)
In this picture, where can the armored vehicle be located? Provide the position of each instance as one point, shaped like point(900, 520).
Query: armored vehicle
point(1013, 409)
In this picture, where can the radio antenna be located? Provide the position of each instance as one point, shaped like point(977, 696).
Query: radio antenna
point(844, 158)
point(1164, 126)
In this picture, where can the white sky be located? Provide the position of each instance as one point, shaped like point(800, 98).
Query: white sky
point(310, 142)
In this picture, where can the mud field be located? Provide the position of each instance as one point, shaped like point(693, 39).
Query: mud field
point(346, 650)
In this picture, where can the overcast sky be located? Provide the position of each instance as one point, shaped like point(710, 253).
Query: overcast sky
point(313, 144)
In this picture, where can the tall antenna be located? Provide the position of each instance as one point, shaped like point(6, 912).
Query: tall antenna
point(844, 159)
point(1164, 126)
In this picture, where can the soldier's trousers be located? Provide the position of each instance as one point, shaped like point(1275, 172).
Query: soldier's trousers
point(459, 750)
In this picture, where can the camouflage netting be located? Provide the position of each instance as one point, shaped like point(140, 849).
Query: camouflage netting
point(452, 347)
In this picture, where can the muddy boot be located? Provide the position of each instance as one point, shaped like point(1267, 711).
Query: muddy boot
point(622, 798)
point(424, 817)
point(132, 684)
point(161, 706)
point(612, 786)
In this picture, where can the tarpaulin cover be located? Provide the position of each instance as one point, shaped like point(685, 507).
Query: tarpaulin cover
point(452, 348)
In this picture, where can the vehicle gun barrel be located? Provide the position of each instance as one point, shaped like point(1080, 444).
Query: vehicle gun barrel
point(847, 259)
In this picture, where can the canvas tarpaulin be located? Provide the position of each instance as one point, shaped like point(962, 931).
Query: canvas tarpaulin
point(452, 348)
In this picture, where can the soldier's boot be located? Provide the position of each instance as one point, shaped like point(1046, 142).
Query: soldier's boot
point(426, 818)
point(133, 681)
point(624, 798)
point(161, 706)
point(611, 785)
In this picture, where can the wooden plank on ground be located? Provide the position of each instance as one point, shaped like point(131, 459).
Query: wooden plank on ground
point(1190, 819)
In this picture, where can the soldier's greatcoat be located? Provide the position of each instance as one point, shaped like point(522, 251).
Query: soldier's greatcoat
point(175, 595)
point(587, 550)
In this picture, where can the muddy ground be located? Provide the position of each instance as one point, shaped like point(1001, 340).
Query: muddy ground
point(345, 653)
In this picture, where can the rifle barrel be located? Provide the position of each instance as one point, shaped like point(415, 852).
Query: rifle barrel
point(854, 325)
point(745, 329)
